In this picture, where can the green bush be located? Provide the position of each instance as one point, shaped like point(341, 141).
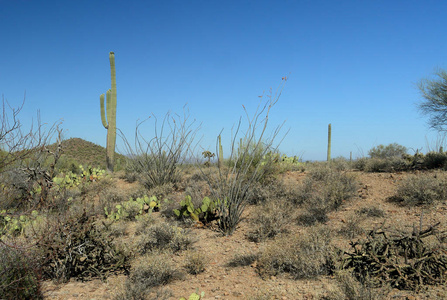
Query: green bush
point(391, 150)
point(435, 160)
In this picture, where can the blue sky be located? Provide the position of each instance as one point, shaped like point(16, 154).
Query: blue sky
point(354, 64)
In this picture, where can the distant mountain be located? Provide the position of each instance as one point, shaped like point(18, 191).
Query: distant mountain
point(86, 153)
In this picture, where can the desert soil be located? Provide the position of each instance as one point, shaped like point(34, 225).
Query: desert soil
point(221, 282)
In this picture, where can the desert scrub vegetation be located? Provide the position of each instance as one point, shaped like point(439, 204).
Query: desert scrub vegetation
point(20, 273)
point(156, 160)
point(323, 190)
point(270, 220)
point(422, 189)
point(149, 272)
point(248, 163)
point(302, 256)
point(162, 236)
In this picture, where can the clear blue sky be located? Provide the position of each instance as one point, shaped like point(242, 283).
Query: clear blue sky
point(354, 64)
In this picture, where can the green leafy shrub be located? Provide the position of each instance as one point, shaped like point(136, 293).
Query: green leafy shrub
point(422, 189)
point(391, 150)
point(19, 273)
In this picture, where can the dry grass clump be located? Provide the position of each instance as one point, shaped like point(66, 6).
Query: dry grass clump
point(195, 262)
point(324, 190)
point(351, 227)
point(163, 236)
point(149, 272)
point(349, 288)
point(303, 256)
point(269, 221)
point(243, 260)
point(372, 212)
point(422, 189)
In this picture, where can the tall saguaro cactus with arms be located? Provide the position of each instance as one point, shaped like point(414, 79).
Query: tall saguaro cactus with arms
point(109, 120)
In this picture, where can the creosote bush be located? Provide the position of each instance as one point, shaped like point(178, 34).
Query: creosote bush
point(391, 150)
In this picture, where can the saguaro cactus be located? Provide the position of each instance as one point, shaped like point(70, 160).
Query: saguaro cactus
point(329, 131)
point(109, 121)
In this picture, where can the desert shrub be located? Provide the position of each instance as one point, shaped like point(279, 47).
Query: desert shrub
point(242, 260)
point(163, 236)
point(304, 256)
point(19, 273)
point(371, 212)
point(149, 272)
point(15, 190)
point(391, 150)
point(350, 288)
point(313, 215)
point(360, 163)
point(269, 221)
point(324, 190)
point(390, 164)
point(195, 262)
point(435, 160)
point(162, 191)
point(422, 189)
point(143, 222)
point(340, 164)
point(74, 248)
point(351, 228)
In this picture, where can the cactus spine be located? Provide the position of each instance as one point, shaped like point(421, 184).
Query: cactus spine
point(329, 131)
point(109, 120)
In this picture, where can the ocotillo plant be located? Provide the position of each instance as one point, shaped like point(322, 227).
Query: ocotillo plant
point(109, 121)
point(329, 129)
point(220, 157)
